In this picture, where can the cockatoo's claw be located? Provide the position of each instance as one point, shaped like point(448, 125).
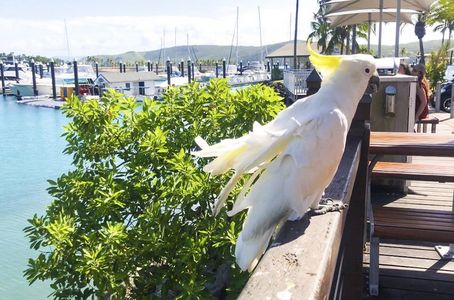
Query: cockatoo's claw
point(328, 205)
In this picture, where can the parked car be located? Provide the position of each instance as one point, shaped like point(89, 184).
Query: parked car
point(445, 97)
point(449, 73)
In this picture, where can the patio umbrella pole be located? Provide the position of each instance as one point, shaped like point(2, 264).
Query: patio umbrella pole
point(380, 28)
point(396, 46)
point(368, 32)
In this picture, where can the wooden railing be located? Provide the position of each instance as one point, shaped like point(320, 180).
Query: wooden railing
point(320, 257)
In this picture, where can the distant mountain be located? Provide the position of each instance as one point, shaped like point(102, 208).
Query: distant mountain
point(217, 53)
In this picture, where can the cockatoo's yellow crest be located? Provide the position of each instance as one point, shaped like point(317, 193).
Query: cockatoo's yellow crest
point(326, 64)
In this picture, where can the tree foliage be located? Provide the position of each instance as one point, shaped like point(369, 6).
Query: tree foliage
point(132, 220)
point(436, 66)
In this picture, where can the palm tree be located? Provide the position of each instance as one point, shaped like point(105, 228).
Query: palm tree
point(442, 13)
point(420, 32)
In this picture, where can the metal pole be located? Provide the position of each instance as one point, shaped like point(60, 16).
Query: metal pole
point(353, 39)
point(182, 68)
point(124, 68)
point(217, 69)
point(396, 46)
point(149, 66)
point(52, 75)
point(32, 64)
point(437, 97)
point(380, 25)
point(76, 78)
point(2, 77)
point(368, 32)
point(296, 34)
point(192, 71)
point(223, 68)
point(121, 67)
point(452, 101)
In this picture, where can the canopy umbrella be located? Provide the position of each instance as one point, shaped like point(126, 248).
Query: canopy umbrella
point(369, 16)
point(336, 6)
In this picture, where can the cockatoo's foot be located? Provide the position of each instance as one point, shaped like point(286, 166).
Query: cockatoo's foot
point(328, 205)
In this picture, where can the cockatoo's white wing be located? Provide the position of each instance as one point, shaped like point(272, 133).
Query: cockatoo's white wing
point(252, 151)
point(292, 183)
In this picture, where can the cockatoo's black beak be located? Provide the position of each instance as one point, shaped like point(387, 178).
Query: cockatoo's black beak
point(374, 83)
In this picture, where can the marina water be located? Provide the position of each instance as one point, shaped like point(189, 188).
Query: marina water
point(30, 153)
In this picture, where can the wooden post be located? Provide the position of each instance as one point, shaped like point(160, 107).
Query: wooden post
point(149, 66)
point(52, 75)
point(76, 78)
point(35, 91)
point(124, 68)
point(217, 69)
point(182, 68)
point(168, 71)
point(192, 71)
point(223, 68)
point(2, 78)
point(189, 70)
point(121, 67)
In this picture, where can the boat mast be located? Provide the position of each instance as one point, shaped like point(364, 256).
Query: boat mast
point(67, 40)
point(237, 16)
point(260, 30)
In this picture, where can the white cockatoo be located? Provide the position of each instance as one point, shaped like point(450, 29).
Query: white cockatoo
point(294, 157)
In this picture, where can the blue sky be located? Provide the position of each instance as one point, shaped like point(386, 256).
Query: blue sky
point(110, 27)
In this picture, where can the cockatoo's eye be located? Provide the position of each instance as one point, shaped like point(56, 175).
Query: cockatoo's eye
point(367, 70)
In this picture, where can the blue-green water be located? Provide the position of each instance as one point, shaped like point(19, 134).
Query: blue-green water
point(30, 153)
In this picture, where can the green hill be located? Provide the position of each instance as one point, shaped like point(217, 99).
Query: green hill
point(217, 53)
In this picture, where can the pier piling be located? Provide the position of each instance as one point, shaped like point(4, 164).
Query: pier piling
point(124, 68)
point(52, 75)
point(149, 66)
point(3, 78)
point(182, 68)
point(168, 71)
point(217, 69)
point(76, 78)
point(16, 68)
point(32, 65)
point(189, 71)
point(121, 67)
point(41, 71)
point(223, 68)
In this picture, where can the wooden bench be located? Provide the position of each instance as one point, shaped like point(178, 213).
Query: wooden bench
point(433, 121)
point(413, 171)
point(409, 224)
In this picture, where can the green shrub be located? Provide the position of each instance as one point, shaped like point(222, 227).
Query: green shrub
point(435, 68)
point(132, 220)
